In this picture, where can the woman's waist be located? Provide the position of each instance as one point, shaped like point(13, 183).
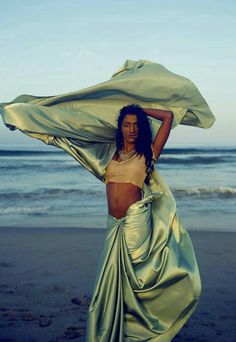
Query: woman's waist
point(120, 196)
point(123, 192)
point(128, 201)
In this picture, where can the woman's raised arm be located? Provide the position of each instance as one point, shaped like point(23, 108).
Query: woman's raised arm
point(163, 133)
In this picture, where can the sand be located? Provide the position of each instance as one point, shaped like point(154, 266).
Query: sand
point(47, 277)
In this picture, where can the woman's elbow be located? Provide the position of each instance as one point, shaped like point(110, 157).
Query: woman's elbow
point(170, 116)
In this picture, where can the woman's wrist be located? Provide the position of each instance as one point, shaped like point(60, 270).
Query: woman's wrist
point(159, 114)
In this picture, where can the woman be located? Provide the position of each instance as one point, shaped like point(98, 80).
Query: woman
point(145, 290)
point(134, 135)
point(147, 282)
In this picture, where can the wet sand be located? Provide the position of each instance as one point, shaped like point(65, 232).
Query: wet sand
point(47, 277)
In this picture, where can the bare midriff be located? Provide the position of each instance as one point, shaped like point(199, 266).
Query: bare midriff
point(120, 196)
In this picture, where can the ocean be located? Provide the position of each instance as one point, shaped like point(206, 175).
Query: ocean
point(43, 186)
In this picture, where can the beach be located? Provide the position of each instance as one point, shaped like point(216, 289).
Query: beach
point(47, 278)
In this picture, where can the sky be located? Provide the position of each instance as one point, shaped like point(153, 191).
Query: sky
point(58, 46)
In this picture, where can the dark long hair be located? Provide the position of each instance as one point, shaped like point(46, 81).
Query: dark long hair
point(144, 139)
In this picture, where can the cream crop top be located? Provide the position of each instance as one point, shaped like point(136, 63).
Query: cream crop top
point(131, 171)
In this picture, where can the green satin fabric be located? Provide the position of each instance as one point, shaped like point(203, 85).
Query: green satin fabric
point(147, 282)
point(83, 123)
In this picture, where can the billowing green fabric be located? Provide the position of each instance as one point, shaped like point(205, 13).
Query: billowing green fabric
point(148, 282)
point(83, 122)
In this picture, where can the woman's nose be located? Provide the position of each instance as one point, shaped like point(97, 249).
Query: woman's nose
point(132, 129)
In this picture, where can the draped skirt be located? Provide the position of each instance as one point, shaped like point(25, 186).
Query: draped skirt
point(147, 283)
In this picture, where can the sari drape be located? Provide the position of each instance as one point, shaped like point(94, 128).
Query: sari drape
point(148, 282)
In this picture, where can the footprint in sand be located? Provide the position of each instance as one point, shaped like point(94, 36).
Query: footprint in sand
point(28, 317)
point(8, 291)
point(45, 321)
point(6, 264)
point(219, 332)
point(70, 333)
point(81, 300)
point(5, 308)
point(74, 332)
point(10, 315)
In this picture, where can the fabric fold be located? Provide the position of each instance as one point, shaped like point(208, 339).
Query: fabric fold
point(146, 297)
point(91, 113)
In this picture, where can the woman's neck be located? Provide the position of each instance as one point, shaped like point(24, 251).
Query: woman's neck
point(128, 147)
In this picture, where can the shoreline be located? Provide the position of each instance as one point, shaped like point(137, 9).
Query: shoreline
point(102, 229)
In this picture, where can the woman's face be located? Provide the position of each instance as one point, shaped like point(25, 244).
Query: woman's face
point(129, 128)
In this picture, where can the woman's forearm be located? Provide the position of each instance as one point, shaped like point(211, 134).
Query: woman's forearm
point(159, 114)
